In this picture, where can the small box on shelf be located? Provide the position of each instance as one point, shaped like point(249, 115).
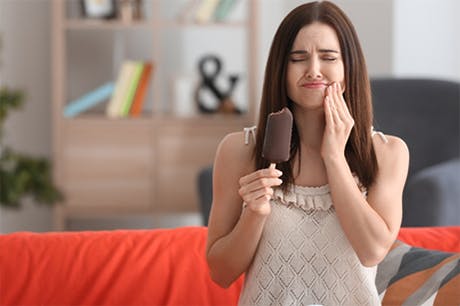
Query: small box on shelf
point(99, 9)
point(130, 10)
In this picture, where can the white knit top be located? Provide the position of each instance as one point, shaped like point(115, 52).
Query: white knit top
point(304, 257)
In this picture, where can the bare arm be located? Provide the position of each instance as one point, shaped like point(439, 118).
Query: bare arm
point(371, 224)
point(234, 232)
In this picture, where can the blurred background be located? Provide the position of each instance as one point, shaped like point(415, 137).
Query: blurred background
point(123, 171)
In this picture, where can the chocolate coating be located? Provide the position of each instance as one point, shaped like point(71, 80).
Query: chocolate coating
point(277, 141)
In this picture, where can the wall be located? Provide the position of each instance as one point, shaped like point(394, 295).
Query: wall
point(427, 41)
point(25, 56)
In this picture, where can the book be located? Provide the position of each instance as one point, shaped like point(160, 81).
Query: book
point(205, 11)
point(188, 11)
point(139, 97)
point(121, 87)
point(131, 89)
point(89, 100)
point(223, 9)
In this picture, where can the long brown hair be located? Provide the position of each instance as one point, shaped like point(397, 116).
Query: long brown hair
point(359, 150)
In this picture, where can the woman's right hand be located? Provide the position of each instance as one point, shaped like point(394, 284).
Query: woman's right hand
point(256, 189)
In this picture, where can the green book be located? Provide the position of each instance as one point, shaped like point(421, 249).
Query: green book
point(223, 9)
point(132, 87)
point(124, 76)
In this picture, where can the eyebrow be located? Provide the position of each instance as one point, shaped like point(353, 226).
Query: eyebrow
point(320, 51)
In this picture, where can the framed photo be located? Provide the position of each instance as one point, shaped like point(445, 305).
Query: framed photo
point(99, 8)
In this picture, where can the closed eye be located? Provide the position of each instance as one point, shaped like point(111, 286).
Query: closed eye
point(298, 56)
point(294, 60)
point(301, 59)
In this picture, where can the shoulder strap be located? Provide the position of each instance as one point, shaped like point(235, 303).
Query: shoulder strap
point(382, 136)
point(249, 131)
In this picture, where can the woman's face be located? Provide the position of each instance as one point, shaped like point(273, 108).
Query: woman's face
point(314, 63)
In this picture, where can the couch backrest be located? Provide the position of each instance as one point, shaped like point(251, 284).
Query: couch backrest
point(423, 112)
point(157, 267)
point(161, 267)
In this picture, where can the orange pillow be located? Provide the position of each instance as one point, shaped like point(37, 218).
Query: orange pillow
point(126, 267)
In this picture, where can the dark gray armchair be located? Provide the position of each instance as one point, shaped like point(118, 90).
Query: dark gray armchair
point(205, 193)
point(425, 113)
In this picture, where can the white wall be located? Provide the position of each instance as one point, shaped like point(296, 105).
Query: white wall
point(25, 56)
point(427, 39)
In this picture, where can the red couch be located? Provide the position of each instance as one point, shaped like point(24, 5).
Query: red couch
point(132, 267)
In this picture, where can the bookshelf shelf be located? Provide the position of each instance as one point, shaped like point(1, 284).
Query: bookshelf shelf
point(184, 24)
point(109, 167)
point(83, 24)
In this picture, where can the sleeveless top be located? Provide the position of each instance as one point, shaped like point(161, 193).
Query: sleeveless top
point(303, 256)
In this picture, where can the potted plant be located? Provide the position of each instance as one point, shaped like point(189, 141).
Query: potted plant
point(21, 174)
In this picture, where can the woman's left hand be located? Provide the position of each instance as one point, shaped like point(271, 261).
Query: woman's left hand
point(339, 123)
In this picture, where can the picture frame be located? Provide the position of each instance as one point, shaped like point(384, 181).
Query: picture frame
point(99, 9)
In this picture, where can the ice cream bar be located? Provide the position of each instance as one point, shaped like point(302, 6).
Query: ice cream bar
point(277, 141)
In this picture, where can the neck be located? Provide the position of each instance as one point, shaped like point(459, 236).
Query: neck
point(310, 126)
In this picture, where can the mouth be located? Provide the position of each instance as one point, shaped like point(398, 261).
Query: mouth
point(314, 85)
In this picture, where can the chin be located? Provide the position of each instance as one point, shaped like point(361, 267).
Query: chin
point(311, 103)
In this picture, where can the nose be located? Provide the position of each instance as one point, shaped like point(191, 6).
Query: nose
point(313, 68)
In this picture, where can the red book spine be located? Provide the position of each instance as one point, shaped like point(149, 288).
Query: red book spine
point(139, 97)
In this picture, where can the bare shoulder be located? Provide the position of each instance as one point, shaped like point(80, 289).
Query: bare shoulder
point(393, 147)
point(234, 154)
point(391, 153)
point(234, 159)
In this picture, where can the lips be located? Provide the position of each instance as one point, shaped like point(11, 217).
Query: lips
point(313, 85)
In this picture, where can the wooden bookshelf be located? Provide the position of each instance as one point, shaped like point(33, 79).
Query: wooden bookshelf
point(149, 165)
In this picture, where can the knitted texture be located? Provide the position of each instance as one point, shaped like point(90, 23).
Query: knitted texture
point(304, 257)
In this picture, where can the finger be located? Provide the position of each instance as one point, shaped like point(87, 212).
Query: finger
point(249, 197)
point(259, 184)
point(339, 101)
point(260, 202)
point(336, 97)
point(343, 103)
point(332, 106)
point(259, 174)
point(341, 106)
point(328, 112)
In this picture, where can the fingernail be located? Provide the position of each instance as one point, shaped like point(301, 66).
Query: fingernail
point(279, 172)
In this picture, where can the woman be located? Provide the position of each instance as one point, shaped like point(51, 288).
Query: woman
point(314, 231)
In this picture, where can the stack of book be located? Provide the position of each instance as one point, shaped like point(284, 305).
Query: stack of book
point(125, 97)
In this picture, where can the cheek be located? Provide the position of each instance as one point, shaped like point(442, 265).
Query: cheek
point(291, 80)
point(337, 74)
point(342, 81)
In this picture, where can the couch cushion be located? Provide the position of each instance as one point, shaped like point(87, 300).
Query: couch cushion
point(421, 270)
point(416, 276)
